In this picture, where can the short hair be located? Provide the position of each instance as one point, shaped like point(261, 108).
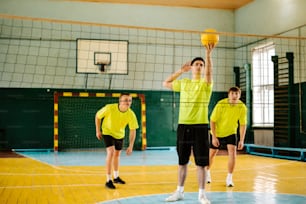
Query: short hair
point(125, 94)
point(234, 89)
point(197, 59)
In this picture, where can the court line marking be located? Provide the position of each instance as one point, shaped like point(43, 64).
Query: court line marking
point(191, 165)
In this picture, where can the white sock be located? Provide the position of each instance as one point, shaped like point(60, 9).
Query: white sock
point(108, 177)
point(180, 189)
point(229, 176)
point(202, 193)
point(116, 174)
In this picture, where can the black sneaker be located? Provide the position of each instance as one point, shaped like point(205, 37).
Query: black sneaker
point(110, 185)
point(119, 180)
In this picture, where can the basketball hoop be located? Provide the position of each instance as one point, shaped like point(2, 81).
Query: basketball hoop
point(102, 66)
point(102, 59)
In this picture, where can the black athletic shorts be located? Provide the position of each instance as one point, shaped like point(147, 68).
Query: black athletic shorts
point(110, 141)
point(224, 141)
point(195, 138)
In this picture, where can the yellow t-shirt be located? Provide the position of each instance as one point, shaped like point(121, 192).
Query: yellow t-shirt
point(115, 121)
point(194, 100)
point(226, 117)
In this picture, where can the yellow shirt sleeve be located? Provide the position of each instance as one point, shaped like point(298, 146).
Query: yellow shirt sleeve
point(176, 85)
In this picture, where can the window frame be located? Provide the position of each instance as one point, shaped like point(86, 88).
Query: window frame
point(263, 85)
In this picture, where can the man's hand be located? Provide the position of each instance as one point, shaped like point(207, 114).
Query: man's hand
point(240, 145)
point(186, 67)
point(99, 135)
point(209, 47)
point(215, 141)
point(129, 150)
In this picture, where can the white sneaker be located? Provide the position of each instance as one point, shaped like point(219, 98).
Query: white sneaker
point(229, 182)
point(175, 196)
point(204, 200)
point(208, 177)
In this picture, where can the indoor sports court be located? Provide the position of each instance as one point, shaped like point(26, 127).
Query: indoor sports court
point(78, 177)
point(62, 61)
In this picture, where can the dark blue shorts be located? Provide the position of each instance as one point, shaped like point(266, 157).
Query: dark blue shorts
point(110, 141)
point(224, 141)
point(195, 138)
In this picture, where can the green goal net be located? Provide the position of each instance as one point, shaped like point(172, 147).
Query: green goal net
point(76, 122)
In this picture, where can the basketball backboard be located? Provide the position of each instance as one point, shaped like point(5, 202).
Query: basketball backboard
point(102, 56)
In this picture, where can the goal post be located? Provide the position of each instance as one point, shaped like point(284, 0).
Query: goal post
point(74, 119)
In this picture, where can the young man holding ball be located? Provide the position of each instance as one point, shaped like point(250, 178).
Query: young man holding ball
point(192, 131)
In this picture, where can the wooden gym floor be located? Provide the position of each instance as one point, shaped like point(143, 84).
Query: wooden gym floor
point(151, 175)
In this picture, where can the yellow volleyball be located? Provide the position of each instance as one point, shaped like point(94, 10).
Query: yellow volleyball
point(209, 36)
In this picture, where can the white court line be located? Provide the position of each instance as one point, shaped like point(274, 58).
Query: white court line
point(81, 185)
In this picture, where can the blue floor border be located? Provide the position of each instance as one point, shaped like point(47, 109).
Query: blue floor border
point(217, 198)
point(298, 154)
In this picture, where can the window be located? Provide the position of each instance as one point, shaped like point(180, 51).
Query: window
point(262, 86)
